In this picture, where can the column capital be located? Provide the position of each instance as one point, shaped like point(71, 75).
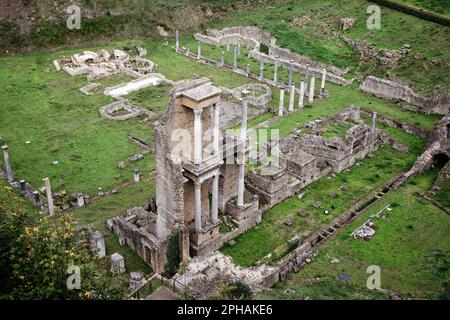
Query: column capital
point(198, 112)
point(5, 147)
point(198, 184)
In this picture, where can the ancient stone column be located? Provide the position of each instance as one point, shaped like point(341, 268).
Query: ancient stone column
point(222, 58)
point(48, 189)
point(235, 58)
point(177, 40)
point(239, 48)
point(37, 197)
point(228, 47)
point(281, 105)
point(98, 244)
point(275, 72)
point(215, 199)
point(136, 175)
point(306, 77)
point(23, 186)
point(199, 50)
point(374, 122)
point(311, 90)
point(243, 137)
point(198, 206)
point(198, 136)
point(80, 199)
point(290, 72)
point(322, 85)
point(248, 69)
point(302, 94)
point(216, 130)
point(243, 133)
point(261, 71)
point(9, 173)
point(292, 98)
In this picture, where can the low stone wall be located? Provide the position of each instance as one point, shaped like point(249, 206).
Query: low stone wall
point(391, 90)
point(286, 54)
point(28, 193)
point(416, 131)
point(252, 37)
point(130, 111)
point(298, 67)
point(259, 101)
point(246, 31)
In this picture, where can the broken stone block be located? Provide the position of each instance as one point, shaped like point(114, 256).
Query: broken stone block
point(117, 264)
point(97, 243)
point(317, 205)
point(303, 213)
point(347, 23)
point(342, 276)
point(335, 261)
point(289, 222)
point(109, 224)
point(136, 280)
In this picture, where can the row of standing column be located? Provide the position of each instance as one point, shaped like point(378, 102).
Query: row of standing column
point(214, 204)
point(237, 51)
point(303, 86)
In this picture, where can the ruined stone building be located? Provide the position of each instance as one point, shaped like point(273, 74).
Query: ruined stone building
point(197, 175)
point(201, 172)
point(307, 157)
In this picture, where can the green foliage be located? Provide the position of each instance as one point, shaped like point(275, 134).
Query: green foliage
point(172, 254)
point(234, 291)
point(39, 250)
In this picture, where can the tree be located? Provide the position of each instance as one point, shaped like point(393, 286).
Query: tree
point(40, 249)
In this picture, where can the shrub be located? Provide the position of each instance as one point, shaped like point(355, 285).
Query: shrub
point(172, 254)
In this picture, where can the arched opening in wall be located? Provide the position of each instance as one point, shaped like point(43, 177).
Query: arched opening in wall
point(440, 159)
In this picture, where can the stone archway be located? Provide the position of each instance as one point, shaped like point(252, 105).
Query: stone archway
point(440, 160)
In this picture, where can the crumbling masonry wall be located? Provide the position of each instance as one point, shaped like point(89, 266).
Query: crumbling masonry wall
point(391, 90)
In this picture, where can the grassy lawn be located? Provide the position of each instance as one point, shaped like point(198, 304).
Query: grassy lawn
point(45, 107)
point(340, 97)
point(441, 7)
point(154, 98)
point(399, 248)
point(116, 205)
point(272, 235)
point(336, 129)
point(319, 37)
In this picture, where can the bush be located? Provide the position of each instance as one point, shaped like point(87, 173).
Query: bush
point(172, 254)
point(238, 291)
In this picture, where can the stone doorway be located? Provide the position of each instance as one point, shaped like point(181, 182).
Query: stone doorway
point(440, 160)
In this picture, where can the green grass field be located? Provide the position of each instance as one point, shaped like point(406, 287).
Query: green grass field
point(45, 107)
point(320, 37)
point(272, 235)
point(399, 248)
